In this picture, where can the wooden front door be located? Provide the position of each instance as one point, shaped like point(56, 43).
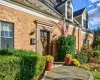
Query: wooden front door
point(44, 38)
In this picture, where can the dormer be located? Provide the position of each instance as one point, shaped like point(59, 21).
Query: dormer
point(65, 7)
point(82, 17)
point(85, 19)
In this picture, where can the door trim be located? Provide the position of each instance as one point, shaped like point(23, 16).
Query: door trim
point(42, 26)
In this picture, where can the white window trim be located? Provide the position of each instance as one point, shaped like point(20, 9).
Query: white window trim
point(66, 5)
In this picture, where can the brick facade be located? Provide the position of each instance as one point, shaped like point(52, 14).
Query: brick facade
point(24, 24)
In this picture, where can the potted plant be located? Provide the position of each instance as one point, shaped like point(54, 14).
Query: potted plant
point(68, 59)
point(49, 62)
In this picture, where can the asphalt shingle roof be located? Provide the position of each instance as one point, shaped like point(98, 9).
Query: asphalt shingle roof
point(79, 12)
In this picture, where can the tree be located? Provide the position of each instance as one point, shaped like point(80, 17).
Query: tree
point(97, 38)
point(97, 32)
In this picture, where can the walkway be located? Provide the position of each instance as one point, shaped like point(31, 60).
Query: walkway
point(67, 73)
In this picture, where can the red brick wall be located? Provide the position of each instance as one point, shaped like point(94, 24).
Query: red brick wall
point(80, 35)
point(23, 25)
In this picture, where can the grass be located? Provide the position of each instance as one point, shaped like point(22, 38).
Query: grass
point(95, 74)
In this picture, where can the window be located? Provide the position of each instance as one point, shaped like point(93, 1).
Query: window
point(69, 10)
point(86, 42)
point(85, 23)
point(6, 35)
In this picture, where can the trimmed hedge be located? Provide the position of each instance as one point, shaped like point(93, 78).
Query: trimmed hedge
point(9, 67)
point(30, 64)
point(16, 52)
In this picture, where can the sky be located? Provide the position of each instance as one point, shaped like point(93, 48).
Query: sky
point(93, 8)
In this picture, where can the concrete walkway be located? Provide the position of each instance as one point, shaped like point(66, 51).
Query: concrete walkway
point(67, 73)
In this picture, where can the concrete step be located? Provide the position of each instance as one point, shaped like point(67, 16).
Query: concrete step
point(57, 64)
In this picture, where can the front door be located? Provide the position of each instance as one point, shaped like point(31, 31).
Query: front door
point(44, 39)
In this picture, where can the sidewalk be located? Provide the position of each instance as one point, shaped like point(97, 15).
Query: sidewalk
point(67, 73)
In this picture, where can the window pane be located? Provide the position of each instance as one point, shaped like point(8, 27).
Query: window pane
point(2, 28)
point(6, 34)
point(10, 27)
point(2, 24)
point(4, 43)
point(6, 28)
point(10, 34)
point(2, 33)
point(10, 43)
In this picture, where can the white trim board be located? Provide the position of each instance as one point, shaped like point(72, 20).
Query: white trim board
point(71, 26)
point(2, 2)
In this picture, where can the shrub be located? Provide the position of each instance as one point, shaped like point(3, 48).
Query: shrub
point(93, 60)
point(95, 66)
point(75, 62)
point(9, 67)
point(82, 58)
point(66, 45)
point(87, 50)
point(16, 52)
point(97, 55)
point(97, 43)
point(31, 65)
point(86, 67)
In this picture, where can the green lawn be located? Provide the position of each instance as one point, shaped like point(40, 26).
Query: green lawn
point(95, 74)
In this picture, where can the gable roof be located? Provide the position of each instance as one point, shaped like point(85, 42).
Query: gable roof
point(37, 5)
point(79, 12)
